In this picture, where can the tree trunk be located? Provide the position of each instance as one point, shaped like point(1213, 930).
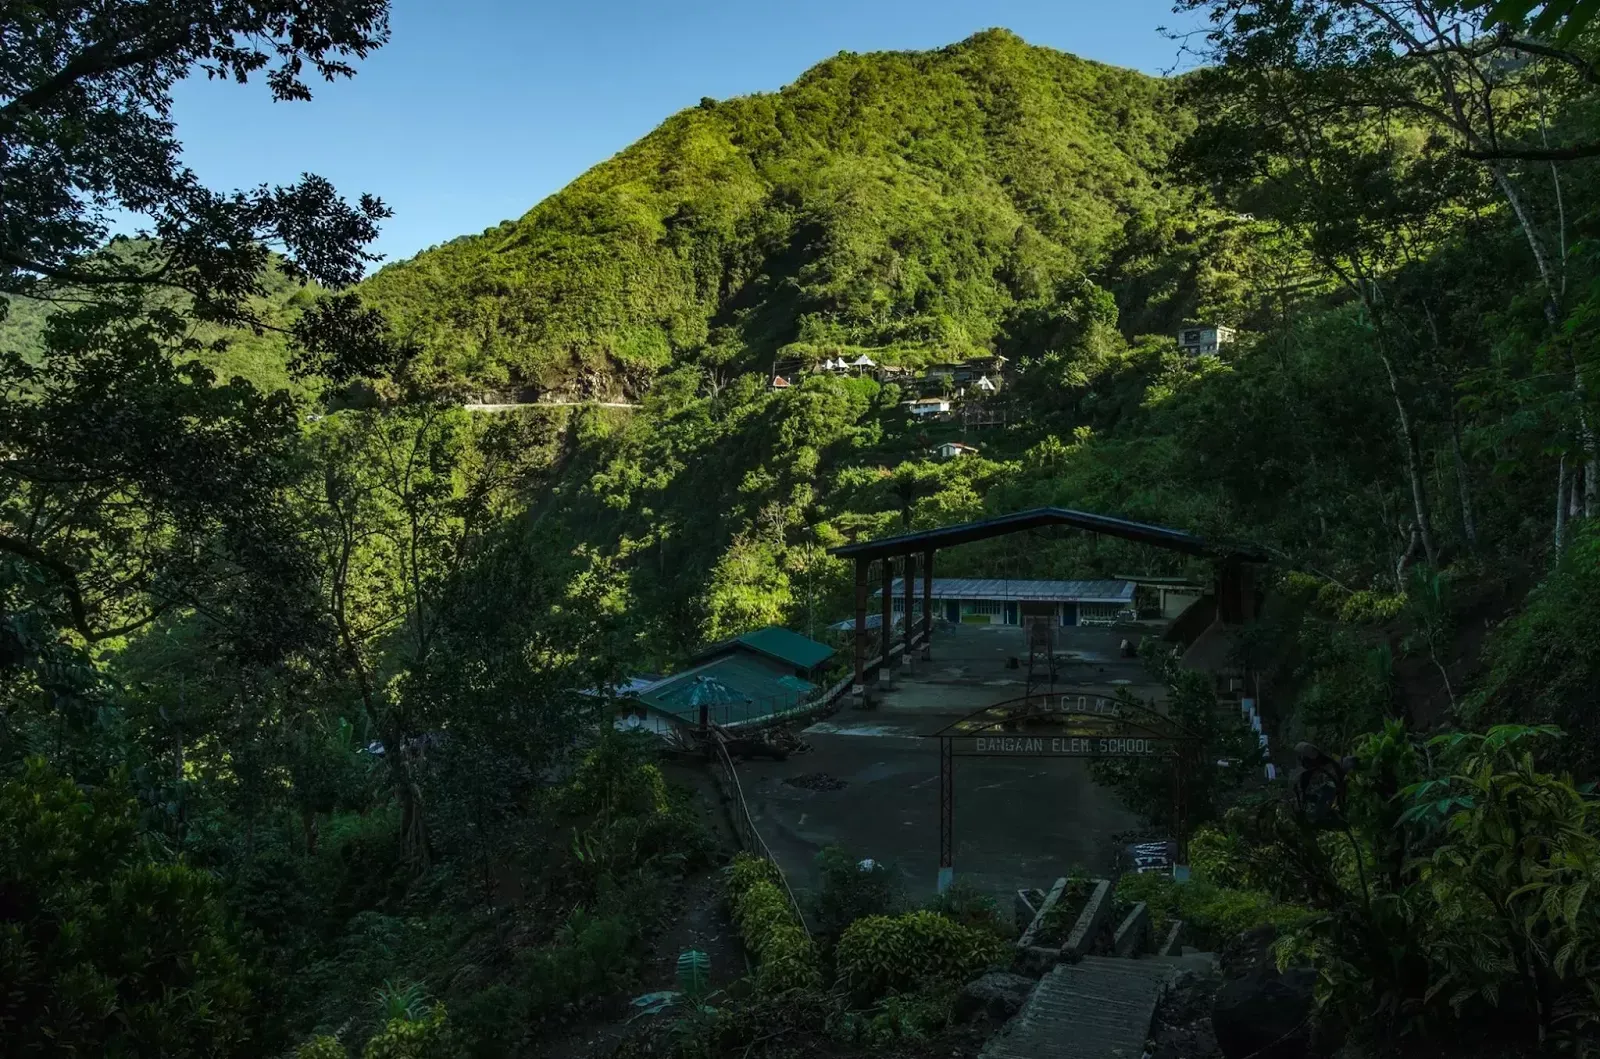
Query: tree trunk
point(1575, 493)
point(1469, 524)
point(1553, 287)
point(1413, 451)
point(413, 826)
point(1407, 556)
point(1561, 504)
point(308, 828)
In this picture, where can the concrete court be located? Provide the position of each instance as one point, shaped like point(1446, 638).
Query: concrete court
point(1018, 821)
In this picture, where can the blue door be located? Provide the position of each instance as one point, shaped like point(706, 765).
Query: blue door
point(952, 611)
point(1011, 614)
point(1069, 614)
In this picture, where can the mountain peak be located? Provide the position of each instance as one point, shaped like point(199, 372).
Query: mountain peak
point(918, 204)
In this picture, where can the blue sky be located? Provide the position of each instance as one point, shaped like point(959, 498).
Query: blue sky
point(477, 109)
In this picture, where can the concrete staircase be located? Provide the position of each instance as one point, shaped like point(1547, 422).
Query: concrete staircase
point(1097, 1008)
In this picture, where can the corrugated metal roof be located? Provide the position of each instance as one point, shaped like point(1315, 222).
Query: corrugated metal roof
point(948, 536)
point(1041, 591)
point(777, 642)
point(735, 688)
point(875, 618)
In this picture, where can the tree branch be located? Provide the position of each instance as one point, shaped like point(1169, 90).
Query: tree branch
point(1584, 68)
point(64, 573)
point(96, 61)
point(1534, 154)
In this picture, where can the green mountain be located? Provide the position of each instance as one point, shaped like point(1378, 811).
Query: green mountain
point(922, 204)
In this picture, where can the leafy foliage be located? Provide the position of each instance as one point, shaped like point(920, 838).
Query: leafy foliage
point(1453, 874)
point(850, 891)
point(772, 931)
point(881, 955)
point(103, 949)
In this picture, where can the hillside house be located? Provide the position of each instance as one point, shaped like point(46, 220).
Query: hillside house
point(987, 601)
point(1204, 341)
point(926, 407)
point(780, 383)
point(952, 449)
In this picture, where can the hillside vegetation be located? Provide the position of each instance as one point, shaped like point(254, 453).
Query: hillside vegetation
point(922, 204)
point(290, 641)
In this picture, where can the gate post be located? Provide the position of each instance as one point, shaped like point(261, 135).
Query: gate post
point(947, 798)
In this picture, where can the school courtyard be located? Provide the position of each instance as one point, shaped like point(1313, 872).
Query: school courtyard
point(870, 783)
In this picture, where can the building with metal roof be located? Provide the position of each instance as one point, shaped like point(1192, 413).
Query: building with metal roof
point(733, 688)
point(800, 653)
point(999, 601)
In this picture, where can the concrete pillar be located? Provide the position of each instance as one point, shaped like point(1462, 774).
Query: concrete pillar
point(886, 630)
point(910, 595)
point(858, 687)
point(927, 606)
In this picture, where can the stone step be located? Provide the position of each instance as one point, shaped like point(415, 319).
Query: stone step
point(1097, 1008)
point(1198, 962)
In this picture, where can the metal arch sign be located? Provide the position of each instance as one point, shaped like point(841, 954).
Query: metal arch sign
point(1071, 723)
point(998, 745)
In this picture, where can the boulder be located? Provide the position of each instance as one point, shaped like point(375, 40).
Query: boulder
point(1260, 1011)
point(1181, 1028)
point(998, 995)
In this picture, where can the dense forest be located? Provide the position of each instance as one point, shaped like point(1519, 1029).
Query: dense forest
point(293, 758)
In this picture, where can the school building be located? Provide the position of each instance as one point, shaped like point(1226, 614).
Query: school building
point(989, 601)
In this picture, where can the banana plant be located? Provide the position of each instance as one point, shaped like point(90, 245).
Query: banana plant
point(692, 994)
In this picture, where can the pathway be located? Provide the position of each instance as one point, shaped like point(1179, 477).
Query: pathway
point(546, 404)
point(1098, 1008)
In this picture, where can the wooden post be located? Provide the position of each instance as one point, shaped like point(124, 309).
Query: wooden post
point(927, 605)
point(887, 628)
point(910, 577)
point(859, 687)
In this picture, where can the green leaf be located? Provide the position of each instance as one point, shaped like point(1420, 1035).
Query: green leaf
point(694, 972)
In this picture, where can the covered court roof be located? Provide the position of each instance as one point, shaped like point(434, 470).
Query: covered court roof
point(967, 532)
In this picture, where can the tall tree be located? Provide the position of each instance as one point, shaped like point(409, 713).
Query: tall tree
point(1487, 97)
point(132, 482)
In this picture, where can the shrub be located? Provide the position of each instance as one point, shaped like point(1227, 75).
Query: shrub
point(492, 1020)
point(1215, 857)
point(850, 892)
point(1211, 914)
point(880, 955)
point(965, 904)
point(772, 932)
point(591, 955)
point(1299, 585)
point(321, 1047)
point(618, 775)
point(1369, 607)
point(425, 1038)
point(912, 1017)
point(103, 952)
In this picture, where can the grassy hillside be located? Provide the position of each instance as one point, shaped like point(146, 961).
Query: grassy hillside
point(920, 203)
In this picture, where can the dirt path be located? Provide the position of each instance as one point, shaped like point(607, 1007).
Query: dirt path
point(697, 920)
